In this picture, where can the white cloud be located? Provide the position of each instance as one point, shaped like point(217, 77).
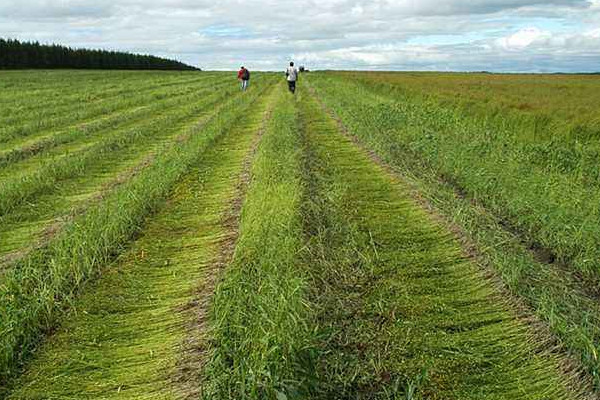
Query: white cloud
point(594, 33)
point(523, 38)
point(536, 41)
point(375, 34)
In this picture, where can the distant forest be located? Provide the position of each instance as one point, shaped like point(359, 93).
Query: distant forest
point(15, 55)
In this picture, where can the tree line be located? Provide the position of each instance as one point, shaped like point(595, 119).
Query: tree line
point(15, 55)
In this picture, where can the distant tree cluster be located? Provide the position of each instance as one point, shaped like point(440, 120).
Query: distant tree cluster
point(15, 54)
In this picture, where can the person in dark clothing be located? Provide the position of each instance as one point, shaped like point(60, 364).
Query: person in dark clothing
point(244, 77)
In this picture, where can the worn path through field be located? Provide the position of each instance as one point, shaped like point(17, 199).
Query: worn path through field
point(137, 331)
point(401, 312)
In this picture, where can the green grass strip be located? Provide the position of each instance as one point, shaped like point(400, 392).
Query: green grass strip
point(261, 342)
point(545, 189)
point(28, 184)
point(87, 103)
point(33, 293)
point(30, 223)
point(127, 332)
point(554, 292)
point(135, 108)
point(401, 313)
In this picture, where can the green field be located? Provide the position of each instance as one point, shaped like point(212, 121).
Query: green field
point(164, 235)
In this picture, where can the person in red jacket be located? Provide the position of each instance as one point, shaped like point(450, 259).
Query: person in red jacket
point(244, 77)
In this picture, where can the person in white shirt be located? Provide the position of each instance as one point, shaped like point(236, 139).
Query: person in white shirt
point(292, 76)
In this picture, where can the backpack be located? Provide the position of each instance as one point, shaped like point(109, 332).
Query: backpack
point(246, 75)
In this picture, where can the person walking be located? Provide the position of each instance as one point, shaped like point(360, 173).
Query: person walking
point(244, 77)
point(292, 76)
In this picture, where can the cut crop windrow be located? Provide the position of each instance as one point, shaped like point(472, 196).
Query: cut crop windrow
point(136, 110)
point(400, 312)
point(33, 294)
point(261, 344)
point(84, 113)
point(70, 91)
point(195, 349)
point(77, 94)
point(126, 338)
point(42, 82)
point(555, 292)
point(22, 187)
point(23, 85)
point(554, 202)
point(27, 184)
point(141, 117)
point(29, 127)
point(34, 222)
point(403, 235)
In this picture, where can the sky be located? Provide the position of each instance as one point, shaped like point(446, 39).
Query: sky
point(441, 35)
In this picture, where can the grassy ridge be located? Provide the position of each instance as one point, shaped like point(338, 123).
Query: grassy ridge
point(261, 341)
point(126, 337)
point(421, 139)
point(34, 292)
point(400, 312)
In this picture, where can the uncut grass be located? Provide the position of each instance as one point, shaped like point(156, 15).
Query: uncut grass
point(29, 223)
point(565, 102)
point(51, 146)
point(261, 344)
point(26, 128)
point(401, 312)
point(26, 185)
point(125, 336)
point(553, 287)
point(45, 283)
